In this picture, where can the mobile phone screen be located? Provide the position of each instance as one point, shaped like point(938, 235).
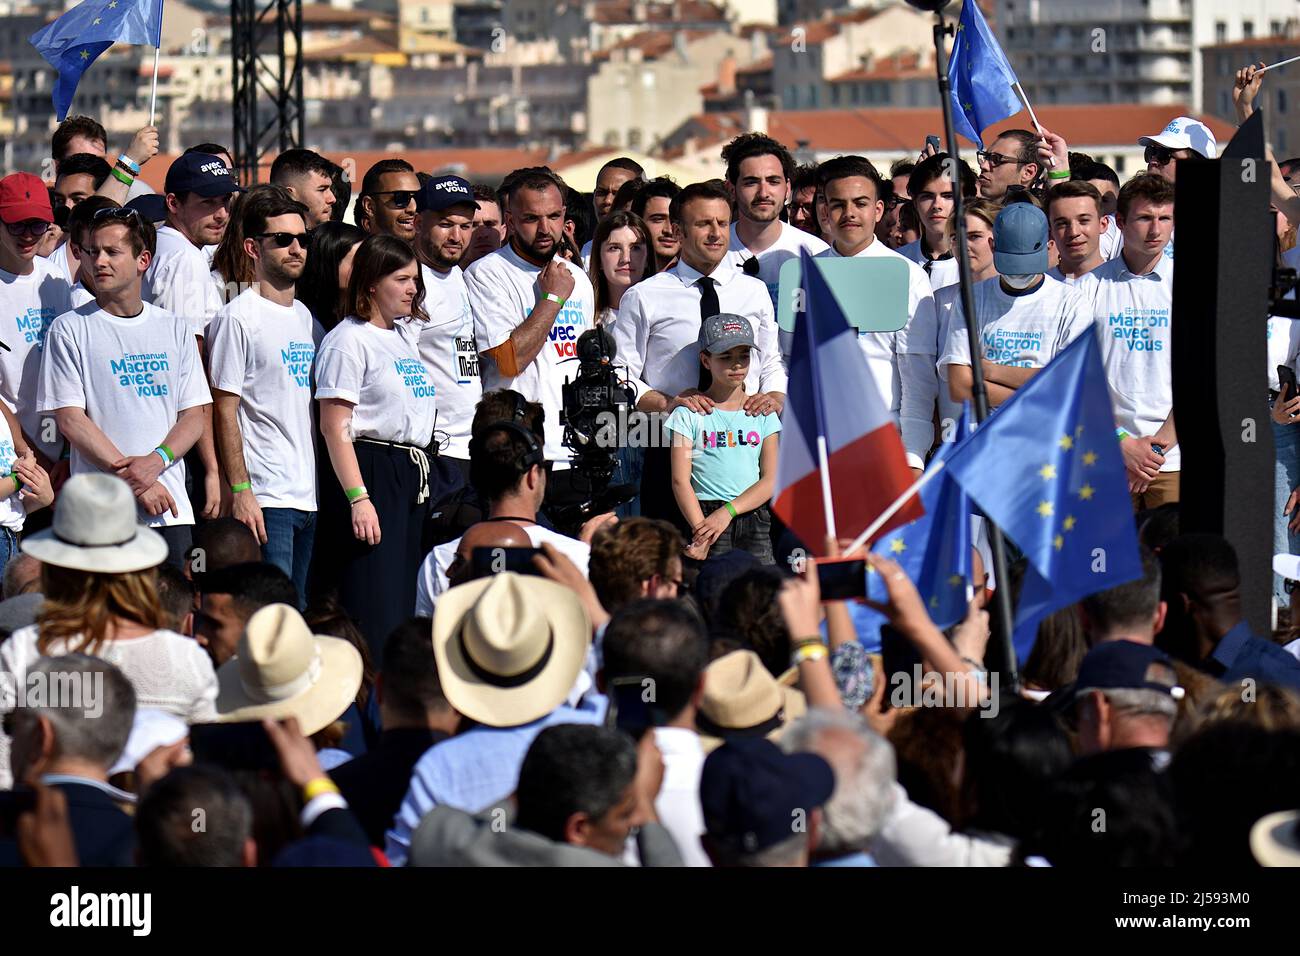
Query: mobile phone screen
point(842, 580)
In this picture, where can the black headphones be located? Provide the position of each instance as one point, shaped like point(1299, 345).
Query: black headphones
point(512, 426)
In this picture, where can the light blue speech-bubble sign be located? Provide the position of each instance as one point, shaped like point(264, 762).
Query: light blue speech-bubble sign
point(871, 292)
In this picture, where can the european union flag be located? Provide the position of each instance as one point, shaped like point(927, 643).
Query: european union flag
point(1047, 468)
point(935, 549)
point(75, 40)
point(980, 79)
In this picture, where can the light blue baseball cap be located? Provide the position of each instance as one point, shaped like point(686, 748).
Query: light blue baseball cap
point(1020, 240)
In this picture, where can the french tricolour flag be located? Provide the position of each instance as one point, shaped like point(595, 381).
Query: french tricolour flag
point(841, 462)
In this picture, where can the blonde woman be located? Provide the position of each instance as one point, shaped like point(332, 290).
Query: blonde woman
point(101, 598)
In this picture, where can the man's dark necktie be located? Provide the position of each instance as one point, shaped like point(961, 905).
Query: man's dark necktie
point(709, 307)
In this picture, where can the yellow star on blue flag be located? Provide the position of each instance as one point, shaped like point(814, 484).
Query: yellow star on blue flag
point(934, 550)
point(75, 40)
point(980, 79)
point(1068, 513)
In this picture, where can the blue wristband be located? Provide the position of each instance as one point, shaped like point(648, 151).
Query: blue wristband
point(163, 455)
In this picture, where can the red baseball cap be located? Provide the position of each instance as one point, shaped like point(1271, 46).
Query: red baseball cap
point(24, 196)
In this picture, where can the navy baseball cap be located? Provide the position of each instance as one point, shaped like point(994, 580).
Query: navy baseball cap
point(1127, 665)
point(200, 173)
point(1020, 240)
point(151, 206)
point(752, 793)
point(442, 192)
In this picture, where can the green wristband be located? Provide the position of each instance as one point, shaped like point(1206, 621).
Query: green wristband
point(242, 486)
point(121, 177)
point(731, 509)
point(354, 493)
point(170, 454)
point(1060, 174)
point(552, 297)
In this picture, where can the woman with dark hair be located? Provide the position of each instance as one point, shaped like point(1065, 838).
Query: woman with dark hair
point(376, 415)
point(622, 254)
point(323, 287)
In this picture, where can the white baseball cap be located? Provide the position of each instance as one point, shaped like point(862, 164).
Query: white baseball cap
point(1183, 132)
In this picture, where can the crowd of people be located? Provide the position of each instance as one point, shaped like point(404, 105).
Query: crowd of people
point(296, 534)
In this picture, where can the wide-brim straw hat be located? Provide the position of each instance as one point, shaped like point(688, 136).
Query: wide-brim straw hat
point(95, 529)
point(743, 699)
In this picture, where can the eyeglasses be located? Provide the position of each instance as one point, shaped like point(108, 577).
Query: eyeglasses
point(994, 160)
point(118, 213)
point(401, 198)
point(1160, 155)
point(28, 227)
point(283, 240)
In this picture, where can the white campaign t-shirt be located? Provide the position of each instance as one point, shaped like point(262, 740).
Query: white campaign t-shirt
point(432, 581)
point(12, 511)
point(447, 348)
point(1112, 240)
point(263, 352)
point(133, 377)
point(502, 293)
point(179, 281)
point(1283, 333)
point(1019, 330)
point(379, 371)
point(792, 240)
point(28, 305)
point(941, 272)
point(1132, 317)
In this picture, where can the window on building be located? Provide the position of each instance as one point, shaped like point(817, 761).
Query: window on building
point(1281, 101)
point(1248, 29)
point(1225, 103)
point(835, 94)
point(1275, 28)
point(812, 95)
point(1220, 32)
point(1281, 142)
point(634, 138)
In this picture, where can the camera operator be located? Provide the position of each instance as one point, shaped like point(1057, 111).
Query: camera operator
point(507, 467)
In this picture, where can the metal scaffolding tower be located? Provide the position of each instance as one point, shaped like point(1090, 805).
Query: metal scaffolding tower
point(266, 45)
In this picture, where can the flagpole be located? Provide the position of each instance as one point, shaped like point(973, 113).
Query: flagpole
point(892, 510)
point(153, 95)
point(824, 466)
point(1002, 594)
point(1274, 66)
point(1024, 99)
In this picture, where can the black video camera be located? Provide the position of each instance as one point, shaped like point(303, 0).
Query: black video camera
point(596, 406)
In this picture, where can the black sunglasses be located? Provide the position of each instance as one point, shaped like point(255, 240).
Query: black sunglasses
point(995, 159)
point(1160, 155)
point(283, 240)
point(28, 227)
point(401, 197)
point(119, 213)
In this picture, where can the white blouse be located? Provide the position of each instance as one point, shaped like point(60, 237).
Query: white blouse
point(170, 672)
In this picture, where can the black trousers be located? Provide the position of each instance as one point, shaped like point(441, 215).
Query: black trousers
point(374, 583)
point(657, 499)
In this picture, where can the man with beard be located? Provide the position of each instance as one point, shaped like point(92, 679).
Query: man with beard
point(530, 306)
point(759, 170)
point(386, 206)
point(444, 229)
point(261, 348)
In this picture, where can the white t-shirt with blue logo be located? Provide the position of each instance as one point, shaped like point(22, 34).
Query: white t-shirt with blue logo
point(28, 305)
point(12, 511)
point(1132, 315)
point(502, 293)
point(788, 246)
point(726, 446)
point(263, 352)
point(179, 280)
point(133, 376)
point(1026, 330)
point(447, 348)
point(379, 371)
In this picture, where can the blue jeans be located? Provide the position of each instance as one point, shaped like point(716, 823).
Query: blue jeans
point(1286, 478)
point(8, 548)
point(289, 537)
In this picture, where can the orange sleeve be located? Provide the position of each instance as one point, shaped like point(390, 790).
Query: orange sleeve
point(504, 356)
